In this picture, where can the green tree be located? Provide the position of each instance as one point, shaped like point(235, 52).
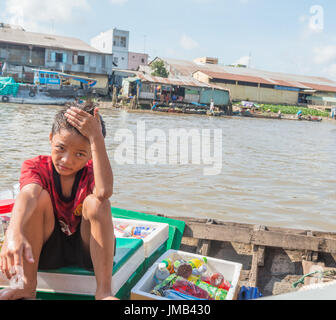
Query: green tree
point(159, 69)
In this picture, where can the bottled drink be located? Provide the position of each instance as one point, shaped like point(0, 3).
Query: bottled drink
point(161, 273)
point(16, 281)
point(176, 295)
point(214, 292)
point(169, 265)
point(186, 287)
point(142, 232)
point(217, 280)
point(198, 266)
point(196, 263)
point(164, 285)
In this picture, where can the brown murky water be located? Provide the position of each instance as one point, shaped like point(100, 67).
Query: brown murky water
point(276, 173)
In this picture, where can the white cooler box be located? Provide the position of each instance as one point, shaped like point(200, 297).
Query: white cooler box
point(129, 259)
point(154, 243)
point(230, 270)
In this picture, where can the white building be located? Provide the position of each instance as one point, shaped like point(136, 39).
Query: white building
point(113, 41)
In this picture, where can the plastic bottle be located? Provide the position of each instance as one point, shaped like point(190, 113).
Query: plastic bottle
point(186, 287)
point(16, 281)
point(196, 263)
point(217, 280)
point(169, 265)
point(142, 232)
point(176, 295)
point(161, 273)
point(198, 266)
point(164, 285)
point(214, 292)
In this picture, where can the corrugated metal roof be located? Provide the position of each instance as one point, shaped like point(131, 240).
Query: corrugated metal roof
point(187, 68)
point(15, 36)
point(320, 87)
point(235, 77)
point(178, 81)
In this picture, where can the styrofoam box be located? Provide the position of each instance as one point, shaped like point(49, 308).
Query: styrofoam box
point(154, 240)
point(83, 284)
point(230, 270)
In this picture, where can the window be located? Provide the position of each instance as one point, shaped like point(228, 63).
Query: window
point(51, 76)
point(47, 75)
point(265, 85)
point(119, 41)
point(225, 81)
point(123, 42)
point(142, 60)
point(248, 84)
point(81, 60)
point(59, 57)
point(41, 75)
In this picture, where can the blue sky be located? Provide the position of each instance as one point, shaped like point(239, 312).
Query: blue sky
point(283, 36)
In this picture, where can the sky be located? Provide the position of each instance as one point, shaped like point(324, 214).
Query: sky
point(283, 36)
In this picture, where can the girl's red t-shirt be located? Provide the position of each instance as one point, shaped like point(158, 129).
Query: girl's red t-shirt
point(68, 212)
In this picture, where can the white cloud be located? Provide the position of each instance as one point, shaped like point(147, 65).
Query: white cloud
point(188, 43)
point(245, 60)
point(325, 54)
point(35, 15)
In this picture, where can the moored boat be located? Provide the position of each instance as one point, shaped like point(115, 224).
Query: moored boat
point(276, 261)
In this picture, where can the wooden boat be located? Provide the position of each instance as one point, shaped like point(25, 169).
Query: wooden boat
point(273, 259)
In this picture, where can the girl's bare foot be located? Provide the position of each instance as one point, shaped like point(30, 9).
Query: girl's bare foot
point(105, 296)
point(16, 294)
point(110, 298)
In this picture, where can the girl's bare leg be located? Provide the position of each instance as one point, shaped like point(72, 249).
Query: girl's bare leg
point(37, 230)
point(98, 237)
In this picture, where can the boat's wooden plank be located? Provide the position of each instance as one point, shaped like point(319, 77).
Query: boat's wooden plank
point(257, 259)
point(293, 241)
point(311, 255)
point(203, 247)
point(254, 268)
point(216, 232)
point(260, 249)
point(261, 237)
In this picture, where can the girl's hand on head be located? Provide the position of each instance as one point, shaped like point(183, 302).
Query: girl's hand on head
point(88, 125)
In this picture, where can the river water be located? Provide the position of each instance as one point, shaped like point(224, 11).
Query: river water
point(270, 172)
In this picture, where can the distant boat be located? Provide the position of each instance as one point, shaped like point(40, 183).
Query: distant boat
point(50, 87)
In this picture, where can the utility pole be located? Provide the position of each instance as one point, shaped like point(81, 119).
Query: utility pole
point(250, 60)
point(145, 43)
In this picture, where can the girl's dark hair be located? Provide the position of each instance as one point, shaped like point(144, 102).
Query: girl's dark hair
point(60, 121)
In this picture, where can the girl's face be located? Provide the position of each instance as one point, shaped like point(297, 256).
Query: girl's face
point(69, 152)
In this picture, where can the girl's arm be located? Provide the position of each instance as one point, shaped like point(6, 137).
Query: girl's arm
point(15, 244)
point(101, 168)
point(90, 127)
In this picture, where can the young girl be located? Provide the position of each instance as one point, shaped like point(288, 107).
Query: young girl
point(62, 215)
